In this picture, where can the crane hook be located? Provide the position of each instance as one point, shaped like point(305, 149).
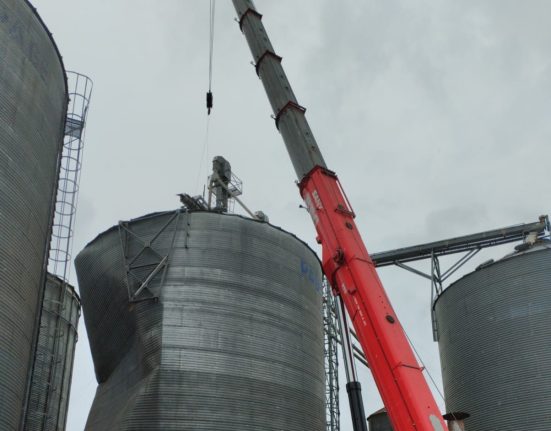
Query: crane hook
point(209, 101)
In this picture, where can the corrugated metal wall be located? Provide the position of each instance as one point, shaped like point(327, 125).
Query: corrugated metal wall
point(233, 340)
point(379, 421)
point(33, 100)
point(495, 344)
point(53, 367)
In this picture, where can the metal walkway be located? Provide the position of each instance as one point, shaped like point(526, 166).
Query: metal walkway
point(463, 243)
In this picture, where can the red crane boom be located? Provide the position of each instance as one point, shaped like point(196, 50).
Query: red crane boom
point(345, 260)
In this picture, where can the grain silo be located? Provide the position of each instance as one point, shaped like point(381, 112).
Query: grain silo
point(494, 328)
point(33, 104)
point(52, 371)
point(203, 321)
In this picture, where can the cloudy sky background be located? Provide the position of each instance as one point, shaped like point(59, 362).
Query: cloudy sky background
point(435, 115)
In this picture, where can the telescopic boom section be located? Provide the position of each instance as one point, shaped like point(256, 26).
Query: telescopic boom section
point(345, 260)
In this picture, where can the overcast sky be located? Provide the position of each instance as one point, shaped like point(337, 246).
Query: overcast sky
point(435, 115)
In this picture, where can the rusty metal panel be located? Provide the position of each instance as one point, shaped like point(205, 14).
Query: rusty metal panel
point(495, 331)
point(227, 336)
point(33, 101)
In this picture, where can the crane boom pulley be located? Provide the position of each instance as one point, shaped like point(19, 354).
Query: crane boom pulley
point(345, 260)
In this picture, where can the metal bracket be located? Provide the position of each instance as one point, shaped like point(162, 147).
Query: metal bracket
point(289, 105)
point(263, 57)
point(246, 14)
point(144, 266)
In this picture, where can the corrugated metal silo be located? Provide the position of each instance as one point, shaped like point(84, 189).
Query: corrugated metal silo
point(203, 321)
point(379, 421)
point(52, 372)
point(33, 102)
point(494, 329)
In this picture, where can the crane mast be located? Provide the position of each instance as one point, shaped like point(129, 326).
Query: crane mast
point(345, 260)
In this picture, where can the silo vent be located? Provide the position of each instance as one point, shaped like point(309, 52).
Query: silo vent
point(262, 216)
point(485, 264)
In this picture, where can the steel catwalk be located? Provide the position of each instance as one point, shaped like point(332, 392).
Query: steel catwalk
point(495, 330)
point(33, 104)
point(53, 366)
point(203, 321)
